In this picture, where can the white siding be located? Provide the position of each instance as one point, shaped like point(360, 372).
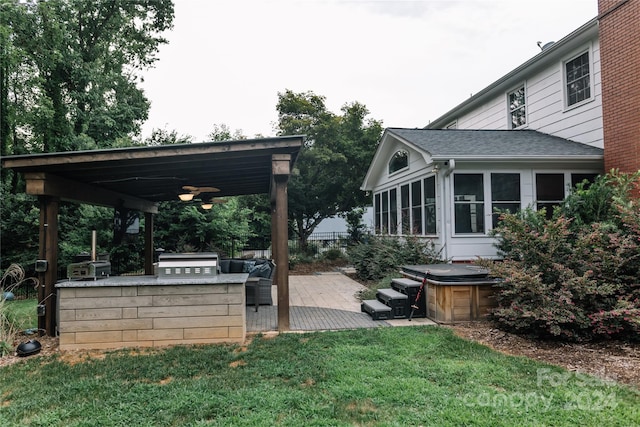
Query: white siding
point(546, 111)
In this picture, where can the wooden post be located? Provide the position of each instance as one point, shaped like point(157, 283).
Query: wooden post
point(148, 243)
point(48, 251)
point(280, 170)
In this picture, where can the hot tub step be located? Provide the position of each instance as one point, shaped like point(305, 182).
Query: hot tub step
point(398, 302)
point(410, 288)
point(376, 309)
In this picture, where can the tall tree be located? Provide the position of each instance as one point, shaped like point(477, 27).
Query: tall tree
point(70, 70)
point(333, 162)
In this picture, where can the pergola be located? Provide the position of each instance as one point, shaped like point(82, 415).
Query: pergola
point(138, 178)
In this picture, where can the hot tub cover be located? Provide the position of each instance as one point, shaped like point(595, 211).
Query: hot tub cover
point(448, 272)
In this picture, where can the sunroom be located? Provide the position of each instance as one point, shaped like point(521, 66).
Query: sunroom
point(446, 185)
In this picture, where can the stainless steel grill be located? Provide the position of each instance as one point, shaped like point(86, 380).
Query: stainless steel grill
point(187, 265)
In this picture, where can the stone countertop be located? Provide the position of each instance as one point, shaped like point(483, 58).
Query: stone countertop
point(123, 281)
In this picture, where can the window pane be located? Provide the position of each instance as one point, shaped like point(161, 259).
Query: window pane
point(577, 79)
point(577, 178)
point(549, 207)
point(468, 187)
point(505, 186)
point(404, 212)
point(393, 211)
point(416, 207)
point(498, 208)
point(550, 186)
point(404, 196)
point(430, 188)
point(517, 108)
point(385, 213)
point(468, 199)
point(399, 160)
point(430, 205)
point(376, 212)
point(469, 218)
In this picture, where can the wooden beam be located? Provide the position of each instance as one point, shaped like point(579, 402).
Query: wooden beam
point(48, 251)
point(45, 184)
point(178, 151)
point(280, 172)
point(148, 244)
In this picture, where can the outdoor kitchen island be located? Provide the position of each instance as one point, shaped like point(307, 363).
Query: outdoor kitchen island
point(150, 311)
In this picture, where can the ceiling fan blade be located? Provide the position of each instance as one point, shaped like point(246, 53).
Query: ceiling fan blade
point(189, 188)
point(208, 189)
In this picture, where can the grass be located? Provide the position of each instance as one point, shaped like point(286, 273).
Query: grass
point(22, 313)
point(376, 377)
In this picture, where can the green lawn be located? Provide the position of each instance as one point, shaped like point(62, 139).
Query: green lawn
point(408, 376)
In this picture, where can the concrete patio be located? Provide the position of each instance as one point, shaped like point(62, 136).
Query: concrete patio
point(323, 301)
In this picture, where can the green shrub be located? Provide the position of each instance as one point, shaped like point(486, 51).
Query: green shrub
point(381, 255)
point(576, 276)
point(333, 254)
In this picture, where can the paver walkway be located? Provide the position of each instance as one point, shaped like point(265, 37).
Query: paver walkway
point(324, 301)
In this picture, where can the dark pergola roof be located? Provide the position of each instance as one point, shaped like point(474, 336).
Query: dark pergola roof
point(139, 177)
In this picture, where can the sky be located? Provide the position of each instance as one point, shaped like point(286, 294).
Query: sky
point(407, 61)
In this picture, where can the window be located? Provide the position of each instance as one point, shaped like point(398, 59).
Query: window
point(430, 205)
point(578, 79)
point(517, 108)
point(405, 213)
point(549, 191)
point(577, 178)
point(505, 194)
point(393, 211)
point(468, 192)
point(384, 227)
point(416, 208)
point(399, 160)
point(376, 213)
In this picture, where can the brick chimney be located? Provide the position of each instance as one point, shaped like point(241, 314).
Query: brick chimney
point(619, 22)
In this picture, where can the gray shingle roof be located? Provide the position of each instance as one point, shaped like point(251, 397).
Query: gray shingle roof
point(498, 144)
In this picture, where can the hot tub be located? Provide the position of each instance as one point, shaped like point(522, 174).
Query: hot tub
point(454, 292)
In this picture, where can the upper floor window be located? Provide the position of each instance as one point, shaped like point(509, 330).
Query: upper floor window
point(578, 80)
point(399, 160)
point(517, 108)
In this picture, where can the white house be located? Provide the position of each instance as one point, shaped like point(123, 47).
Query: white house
point(522, 141)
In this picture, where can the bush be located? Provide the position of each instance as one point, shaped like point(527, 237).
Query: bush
point(576, 276)
point(383, 254)
point(333, 254)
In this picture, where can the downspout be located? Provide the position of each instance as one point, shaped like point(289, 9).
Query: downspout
point(448, 214)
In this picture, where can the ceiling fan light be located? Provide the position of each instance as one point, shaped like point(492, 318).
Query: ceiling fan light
point(207, 205)
point(186, 197)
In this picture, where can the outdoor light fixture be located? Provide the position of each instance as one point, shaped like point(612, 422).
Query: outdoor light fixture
point(210, 203)
point(194, 191)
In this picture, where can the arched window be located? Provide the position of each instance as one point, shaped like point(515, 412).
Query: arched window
point(399, 160)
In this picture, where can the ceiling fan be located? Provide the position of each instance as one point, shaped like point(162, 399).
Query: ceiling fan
point(194, 191)
point(213, 201)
